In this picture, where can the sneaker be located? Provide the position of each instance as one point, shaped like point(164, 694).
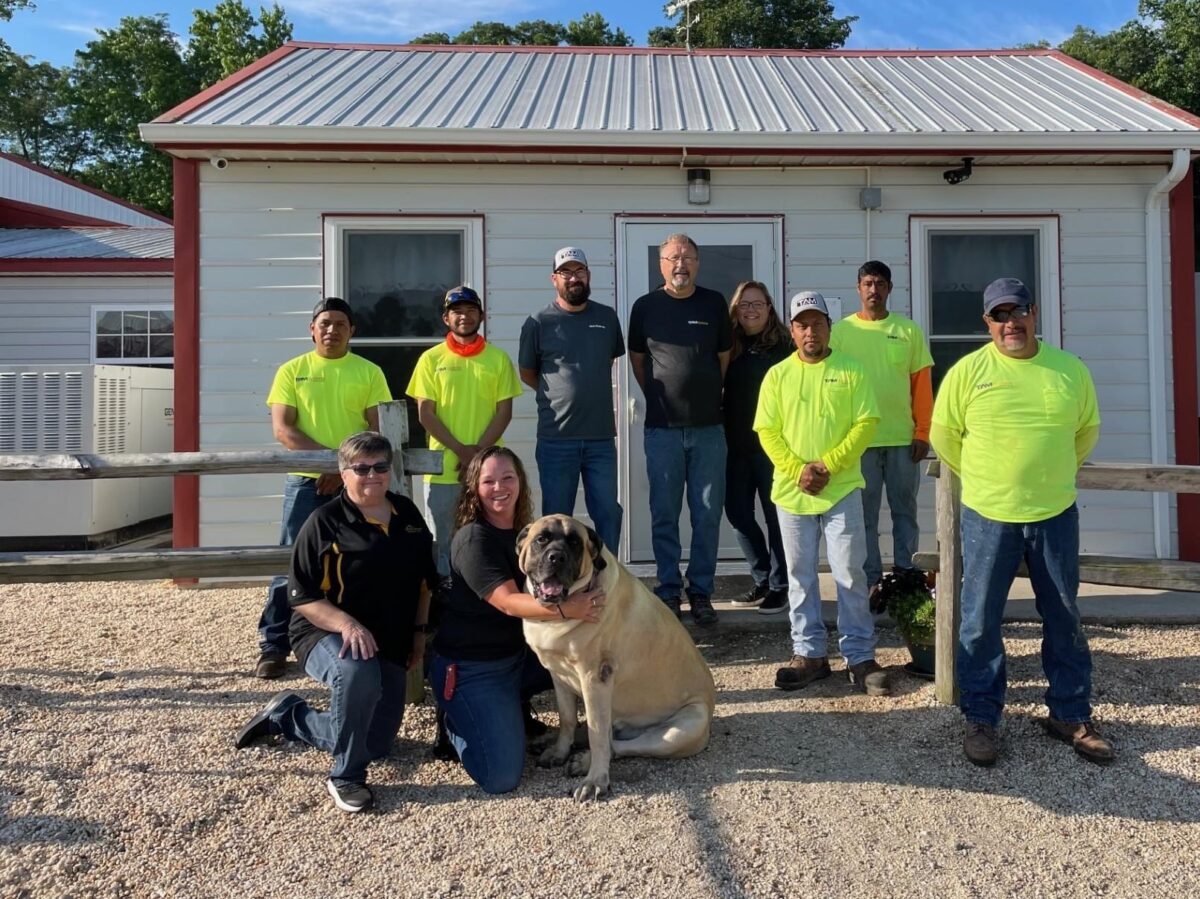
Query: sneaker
point(674, 605)
point(751, 597)
point(775, 602)
point(702, 611)
point(979, 744)
point(800, 672)
point(270, 665)
point(350, 797)
point(259, 726)
point(870, 677)
point(1084, 737)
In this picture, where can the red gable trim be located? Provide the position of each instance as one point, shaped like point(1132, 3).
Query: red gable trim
point(15, 214)
point(42, 170)
point(177, 112)
point(86, 266)
point(1125, 88)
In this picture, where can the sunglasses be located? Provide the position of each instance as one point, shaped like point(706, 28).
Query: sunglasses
point(362, 469)
point(1000, 316)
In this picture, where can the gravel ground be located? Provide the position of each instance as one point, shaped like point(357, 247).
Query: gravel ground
point(118, 704)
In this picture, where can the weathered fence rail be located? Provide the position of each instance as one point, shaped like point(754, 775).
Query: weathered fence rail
point(187, 563)
point(1159, 574)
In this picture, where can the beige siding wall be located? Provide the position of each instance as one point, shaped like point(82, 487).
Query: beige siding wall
point(261, 272)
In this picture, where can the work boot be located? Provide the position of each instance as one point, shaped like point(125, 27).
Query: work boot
point(702, 611)
point(751, 597)
point(979, 744)
point(870, 678)
point(672, 603)
point(800, 672)
point(270, 665)
point(1084, 737)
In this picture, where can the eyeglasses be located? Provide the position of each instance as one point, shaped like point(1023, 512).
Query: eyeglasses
point(362, 469)
point(755, 306)
point(569, 273)
point(1000, 316)
point(675, 260)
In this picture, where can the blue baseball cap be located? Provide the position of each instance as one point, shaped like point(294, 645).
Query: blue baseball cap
point(1005, 290)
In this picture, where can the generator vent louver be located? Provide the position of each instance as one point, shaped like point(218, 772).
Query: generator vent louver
point(110, 414)
point(40, 412)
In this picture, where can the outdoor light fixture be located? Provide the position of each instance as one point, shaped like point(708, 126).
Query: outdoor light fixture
point(698, 187)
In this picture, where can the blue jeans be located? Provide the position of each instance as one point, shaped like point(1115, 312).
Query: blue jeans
point(992, 551)
point(483, 717)
point(694, 457)
point(746, 478)
point(560, 465)
point(891, 467)
point(366, 706)
point(300, 499)
point(440, 500)
point(845, 548)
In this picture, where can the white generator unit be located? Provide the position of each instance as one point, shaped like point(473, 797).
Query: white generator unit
point(94, 409)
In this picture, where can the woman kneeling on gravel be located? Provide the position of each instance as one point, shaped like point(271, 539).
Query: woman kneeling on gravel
point(481, 669)
point(362, 568)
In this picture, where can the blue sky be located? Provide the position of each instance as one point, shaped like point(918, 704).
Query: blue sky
point(56, 28)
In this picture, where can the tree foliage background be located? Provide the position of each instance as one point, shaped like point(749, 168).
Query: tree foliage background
point(82, 120)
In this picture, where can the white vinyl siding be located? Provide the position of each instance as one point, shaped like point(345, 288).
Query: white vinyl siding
point(262, 271)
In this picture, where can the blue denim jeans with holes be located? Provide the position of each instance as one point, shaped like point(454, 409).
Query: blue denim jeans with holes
point(890, 468)
point(300, 499)
point(691, 458)
point(366, 706)
point(992, 552)
point(561, 464)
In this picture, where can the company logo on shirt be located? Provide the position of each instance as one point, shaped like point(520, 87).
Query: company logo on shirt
point(413, 529)
point(832, 380)
point(697, 321)
point(300, 379)
point(895, 337)
point(601, 327)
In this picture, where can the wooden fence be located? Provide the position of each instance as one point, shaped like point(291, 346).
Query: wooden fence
point(26, 567)
point(1161, 574)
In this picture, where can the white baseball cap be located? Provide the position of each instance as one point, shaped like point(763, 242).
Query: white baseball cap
point(806, 300)
point(569, 254)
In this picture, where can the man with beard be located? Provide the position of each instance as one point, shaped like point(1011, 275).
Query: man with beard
point(464, 390)
point(680, 338)
point(1015, 420)
point(566, 355)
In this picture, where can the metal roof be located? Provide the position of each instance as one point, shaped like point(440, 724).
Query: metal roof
point(308, 94)
point(87, 243)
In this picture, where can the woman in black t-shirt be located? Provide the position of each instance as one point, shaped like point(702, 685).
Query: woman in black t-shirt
point(481, 668)
point(760, 341)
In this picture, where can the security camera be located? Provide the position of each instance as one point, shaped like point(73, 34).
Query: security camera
point(959, 175)
point(219, 162)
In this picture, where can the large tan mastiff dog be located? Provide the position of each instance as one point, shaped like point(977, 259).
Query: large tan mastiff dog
point(646, 690)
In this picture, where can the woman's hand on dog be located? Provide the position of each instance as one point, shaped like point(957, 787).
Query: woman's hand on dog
point(586, 605)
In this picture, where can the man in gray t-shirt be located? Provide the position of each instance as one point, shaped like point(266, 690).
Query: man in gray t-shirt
point(567, 352)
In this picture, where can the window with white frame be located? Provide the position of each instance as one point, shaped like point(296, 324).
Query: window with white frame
point(394, 272)
point(133, 335)
point(954, 259)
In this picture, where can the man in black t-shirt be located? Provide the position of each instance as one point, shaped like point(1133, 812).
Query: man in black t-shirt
point(679, 343)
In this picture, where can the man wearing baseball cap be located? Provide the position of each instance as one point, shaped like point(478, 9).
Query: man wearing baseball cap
point(317, 400)
point(1015, 420)
point(464, 388)
point(566, 355)
point(816, 415)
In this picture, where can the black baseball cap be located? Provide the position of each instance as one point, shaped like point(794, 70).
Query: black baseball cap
point(333, 304)
point(461, 294)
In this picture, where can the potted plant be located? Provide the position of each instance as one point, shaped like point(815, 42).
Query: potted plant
point(905, 595)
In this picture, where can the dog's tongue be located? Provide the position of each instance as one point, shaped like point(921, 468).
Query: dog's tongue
point(551, 588)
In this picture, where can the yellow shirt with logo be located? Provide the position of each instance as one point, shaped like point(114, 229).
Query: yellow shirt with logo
point(824, 411)
point(466, 390)
point(891, 351)
point(1016, 430)
point(331, 396)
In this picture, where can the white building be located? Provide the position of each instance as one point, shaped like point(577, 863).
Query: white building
point(386, 174)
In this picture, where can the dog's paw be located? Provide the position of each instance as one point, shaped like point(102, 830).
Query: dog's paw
point(592, 789)
point(579, 764)
point(551, 757)
point(536, 745)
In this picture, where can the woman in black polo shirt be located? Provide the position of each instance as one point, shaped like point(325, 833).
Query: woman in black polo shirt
point(481, 668)
point(362, 569)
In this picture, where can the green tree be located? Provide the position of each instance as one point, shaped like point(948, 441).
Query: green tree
point(592, 30)
point(33, 112)
point(8, 7)
point(228, 38)
point(782, 24)
point(432, 37)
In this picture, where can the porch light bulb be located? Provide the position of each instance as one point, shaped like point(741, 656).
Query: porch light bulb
point(698, 187)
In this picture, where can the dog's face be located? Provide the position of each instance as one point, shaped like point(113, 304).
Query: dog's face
point(557, 553)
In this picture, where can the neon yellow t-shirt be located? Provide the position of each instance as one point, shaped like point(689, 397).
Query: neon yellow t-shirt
point(1016, 430)
point(331, 396)
point(825, 411)
point(466, 390)
point(891, 351)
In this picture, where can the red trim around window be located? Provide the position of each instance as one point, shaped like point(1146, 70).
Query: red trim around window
point(187, 347)
point(1183, 358)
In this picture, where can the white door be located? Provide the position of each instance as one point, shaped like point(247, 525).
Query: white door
point(731, 251)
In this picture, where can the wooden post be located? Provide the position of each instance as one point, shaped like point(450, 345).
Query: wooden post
point(393, 424)
point(949, 585)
